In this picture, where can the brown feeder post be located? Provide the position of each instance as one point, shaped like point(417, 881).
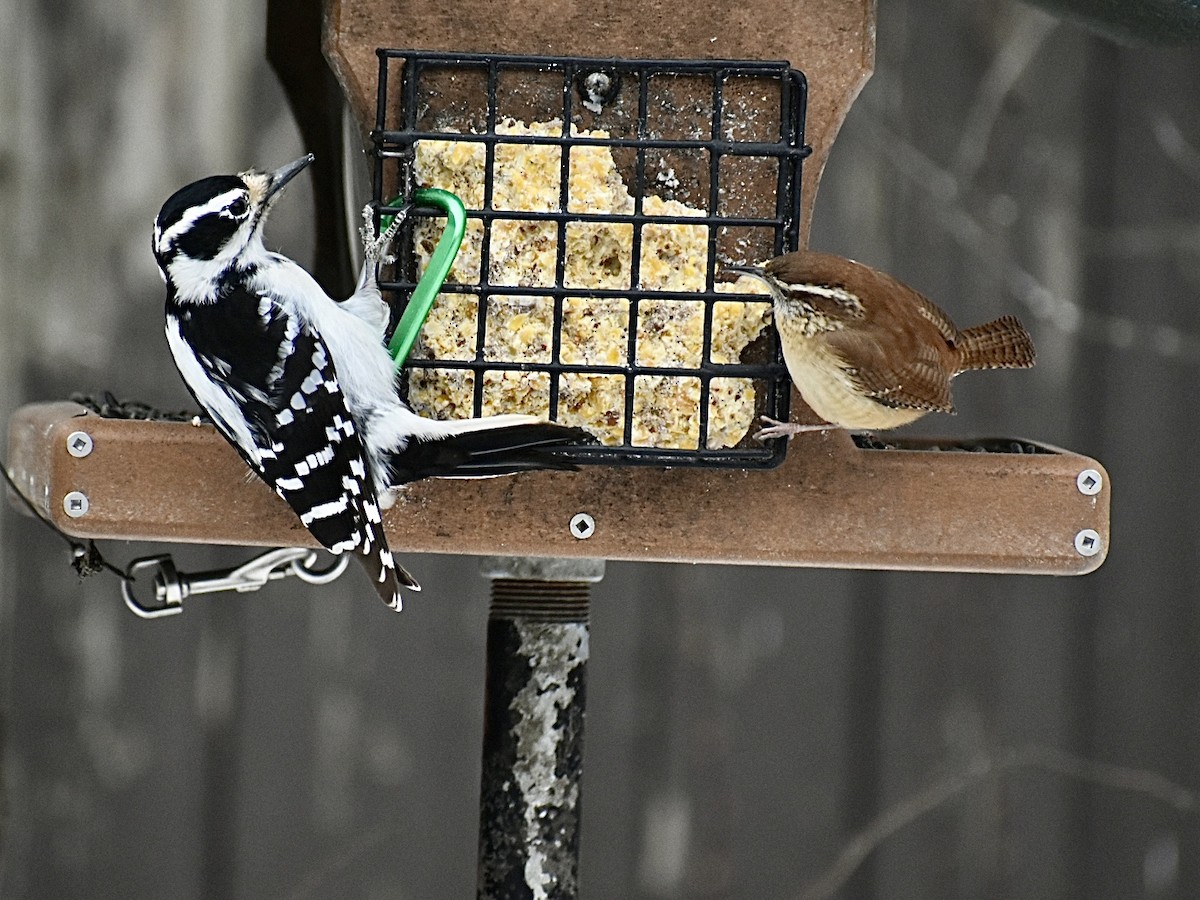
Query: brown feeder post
point(832, 502)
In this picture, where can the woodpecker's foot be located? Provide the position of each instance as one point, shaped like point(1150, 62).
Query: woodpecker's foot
point(789, 430)
point(375, 246)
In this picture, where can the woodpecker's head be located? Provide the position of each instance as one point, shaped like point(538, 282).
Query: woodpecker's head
point(216, 223)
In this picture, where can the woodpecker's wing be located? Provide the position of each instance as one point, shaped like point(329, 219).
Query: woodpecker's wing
point(269, 383)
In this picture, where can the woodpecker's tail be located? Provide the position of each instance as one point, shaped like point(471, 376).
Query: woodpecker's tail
point(387, 575)
point(483, 449)
point(1002, 344)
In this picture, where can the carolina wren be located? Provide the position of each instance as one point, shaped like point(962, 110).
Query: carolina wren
point(867, 351)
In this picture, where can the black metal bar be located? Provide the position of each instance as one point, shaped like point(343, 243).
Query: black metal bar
point(537, 653)
point(728, 370)
point(725, 147)
point(560, 251)
point(517, 215)
point(542, 63)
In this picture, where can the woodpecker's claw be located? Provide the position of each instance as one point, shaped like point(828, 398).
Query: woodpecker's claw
point(375, 246)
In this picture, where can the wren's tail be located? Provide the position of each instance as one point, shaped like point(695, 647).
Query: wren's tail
point(1002, 344)
point(484, 452)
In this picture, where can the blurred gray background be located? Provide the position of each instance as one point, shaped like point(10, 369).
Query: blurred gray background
point(1025, 737)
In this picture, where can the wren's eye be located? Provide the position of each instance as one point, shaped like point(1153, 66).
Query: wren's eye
point(238, 208)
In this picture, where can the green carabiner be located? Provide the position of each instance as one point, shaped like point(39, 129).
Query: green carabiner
point(434, 276)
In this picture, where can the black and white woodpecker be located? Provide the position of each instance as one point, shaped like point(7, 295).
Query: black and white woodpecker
point(302, 385)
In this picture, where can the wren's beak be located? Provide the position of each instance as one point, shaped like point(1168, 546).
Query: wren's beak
point(744, 270)
point(280, 177)
point(754, 271)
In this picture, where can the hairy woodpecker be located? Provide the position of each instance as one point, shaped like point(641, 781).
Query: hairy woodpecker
point(302, 385)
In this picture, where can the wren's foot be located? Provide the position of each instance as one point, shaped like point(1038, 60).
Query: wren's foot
point(375, 246)
point(777, 429)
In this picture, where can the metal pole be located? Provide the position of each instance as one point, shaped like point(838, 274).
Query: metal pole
point(537, 652)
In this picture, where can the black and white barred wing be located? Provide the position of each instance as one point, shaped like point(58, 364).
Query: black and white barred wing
point(268, 382)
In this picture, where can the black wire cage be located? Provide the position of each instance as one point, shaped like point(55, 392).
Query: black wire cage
point(588, 288)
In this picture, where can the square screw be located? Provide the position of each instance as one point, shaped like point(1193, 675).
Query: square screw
point(583, 526)
point(1087, 542)
point(79, 444)
point(75, 504)
point(1089, 482)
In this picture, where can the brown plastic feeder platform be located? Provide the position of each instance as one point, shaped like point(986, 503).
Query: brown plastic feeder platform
point(830, 503)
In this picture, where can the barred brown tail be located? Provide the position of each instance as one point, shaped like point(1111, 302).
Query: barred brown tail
point(1002, 344)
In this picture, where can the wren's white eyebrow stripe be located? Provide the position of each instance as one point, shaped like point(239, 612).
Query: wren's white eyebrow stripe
point(833, 293)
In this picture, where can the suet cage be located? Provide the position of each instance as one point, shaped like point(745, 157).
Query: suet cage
point(603, 198)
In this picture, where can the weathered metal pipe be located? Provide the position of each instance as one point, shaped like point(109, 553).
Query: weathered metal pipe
point(537, 652)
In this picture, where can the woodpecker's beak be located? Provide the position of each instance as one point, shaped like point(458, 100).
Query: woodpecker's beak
point(280, 177)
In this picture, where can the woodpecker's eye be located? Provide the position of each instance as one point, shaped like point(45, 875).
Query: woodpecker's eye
point(238, 208)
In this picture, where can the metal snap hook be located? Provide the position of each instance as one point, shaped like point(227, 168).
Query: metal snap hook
point(168, 590)
point(172, 587)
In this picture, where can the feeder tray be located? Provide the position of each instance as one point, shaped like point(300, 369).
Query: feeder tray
point(996, 505)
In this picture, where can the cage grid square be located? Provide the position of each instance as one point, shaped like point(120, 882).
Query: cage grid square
point(586, 289)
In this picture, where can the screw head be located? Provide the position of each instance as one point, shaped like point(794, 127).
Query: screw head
point(1087, 542)
point(79, 444)
point(583, 526)
point(75, 504)
point(599, 88)
point(1089, 482)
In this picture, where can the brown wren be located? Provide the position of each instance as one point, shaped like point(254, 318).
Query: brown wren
point(867, 351)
